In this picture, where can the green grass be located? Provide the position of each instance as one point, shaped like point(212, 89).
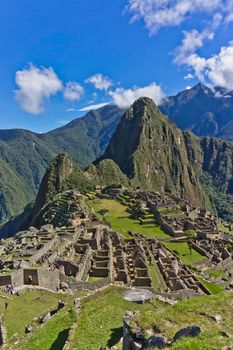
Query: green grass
point(196, 311)
point(22, 309)
point(224, 228)
point(216, 273)
point(184, 253)
point(94, 279)
point(213, 287)
point(171, 211)
point(101, 319)
point(156, 278)
point(120, 220)
point(53, 335)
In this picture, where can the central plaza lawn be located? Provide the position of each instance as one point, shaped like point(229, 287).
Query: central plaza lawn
point(184, 253)
point(120, 220)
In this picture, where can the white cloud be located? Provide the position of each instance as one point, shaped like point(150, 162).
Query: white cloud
point(195, 39)
point(125, 97)
point(70, 110)
point(191, 42)
point(189, 76)
point(96, 106)
point(73, 91)
point(229, 18)
point(100, 81)
point(157, 14)
point(36, 85)
point(216, 70)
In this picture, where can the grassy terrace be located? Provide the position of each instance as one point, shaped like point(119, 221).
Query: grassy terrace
point(213, 287)
point(21, 311)
point(184, 253)
point(224, 228)
point(120, 220)
point(100, 323)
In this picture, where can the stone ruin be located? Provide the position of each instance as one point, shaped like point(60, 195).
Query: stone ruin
point(89, 254)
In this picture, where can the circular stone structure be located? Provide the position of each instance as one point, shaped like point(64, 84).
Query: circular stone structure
point(138, 295)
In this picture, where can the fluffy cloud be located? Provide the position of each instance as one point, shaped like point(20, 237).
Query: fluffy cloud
point(194, 40)
point(125, 97)
point(96, 106)
point(216, 70)
point(73, 91)
point(100, 81)
point(191, 42)
point(166, 13)
point(36, 85)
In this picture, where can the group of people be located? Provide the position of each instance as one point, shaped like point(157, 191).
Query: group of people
point(10, 290)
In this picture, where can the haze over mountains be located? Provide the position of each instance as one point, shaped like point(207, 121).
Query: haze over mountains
point(24, 155)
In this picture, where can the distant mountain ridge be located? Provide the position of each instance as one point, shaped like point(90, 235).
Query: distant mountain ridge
point(202, 110)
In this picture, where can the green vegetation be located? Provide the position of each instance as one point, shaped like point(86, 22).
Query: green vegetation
point(169, 319)
point(53, 335)
point(119, 219)
point(216, 273)
point(212, 287)
point(171, 211)
point(101, 319)
point(156, 278)
point(107, 173)
point(224, 228)
point(100, 323)
point(183, 251)
point(22, 309)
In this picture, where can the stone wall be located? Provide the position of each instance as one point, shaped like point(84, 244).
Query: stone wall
point(17, 278)
point(5, 280)
point(49, 279)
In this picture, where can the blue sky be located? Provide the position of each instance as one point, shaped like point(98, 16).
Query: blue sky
point(58, 57)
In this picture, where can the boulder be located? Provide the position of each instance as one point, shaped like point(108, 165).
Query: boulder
point(192, 331)
point(47, 228)
point(46, 318)
point(24, 264)
point(157, 342)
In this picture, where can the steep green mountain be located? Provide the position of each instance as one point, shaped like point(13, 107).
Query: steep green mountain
point(153, 153)
point(202, 110)
point(63, 174)
point(107, 173)
point(24, 155)
point(156, 155)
